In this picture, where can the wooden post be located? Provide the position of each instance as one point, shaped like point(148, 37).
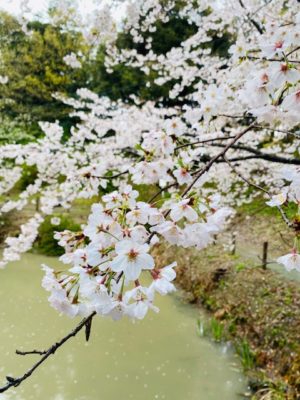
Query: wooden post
point(265, 255)
point(37, 203)
point(233, 251)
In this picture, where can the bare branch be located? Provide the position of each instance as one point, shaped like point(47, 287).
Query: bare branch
point(278, 130)
point(251, 20)
point(206, 168)
point(215, 158)
point(14, 382)
point(264, 156)
point(25, 353)
point(203, 141)
point(273, 59)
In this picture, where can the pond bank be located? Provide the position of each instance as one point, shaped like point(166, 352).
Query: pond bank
point(257, 310)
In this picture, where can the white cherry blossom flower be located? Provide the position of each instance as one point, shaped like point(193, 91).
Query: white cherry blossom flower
point(131, 259)
point(278, 199)
point(139, 300)
point(182, 176)
point(162, 280)
point(290, 261)
point(182, 209)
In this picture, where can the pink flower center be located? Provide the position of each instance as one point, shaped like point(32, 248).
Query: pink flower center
point(284, 68)
point(132, 255)
point(183, 172)
point(264, 78)
point(278, 45)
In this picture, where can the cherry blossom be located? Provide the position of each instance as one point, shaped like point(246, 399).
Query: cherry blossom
point(234, 121)
point(131, 259)
point(290, 261)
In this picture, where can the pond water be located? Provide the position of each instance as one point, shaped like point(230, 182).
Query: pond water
point(161, 357)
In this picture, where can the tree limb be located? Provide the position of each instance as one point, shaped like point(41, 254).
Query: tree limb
point(14, 382)
point(207, 167)
point(251, 20)
point(264, 156)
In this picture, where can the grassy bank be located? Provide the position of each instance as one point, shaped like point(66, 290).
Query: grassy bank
point(256, 309)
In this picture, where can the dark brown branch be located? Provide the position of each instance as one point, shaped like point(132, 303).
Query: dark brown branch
point(251, 20)
point(292, 51)
point(273, 59)
point(261, 155)
point(216, 158)
point(199, 173)
point(14, 382)
point(235, 116)
point(113, 176)
point(203, 141)
point(278, 130)
point(161, 190)
point(25, 353)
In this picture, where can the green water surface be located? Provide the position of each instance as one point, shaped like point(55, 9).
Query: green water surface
point(161, 357)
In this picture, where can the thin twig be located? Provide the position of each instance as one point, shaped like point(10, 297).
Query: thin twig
point(292, 51)
point(25, 353)
point(14, 382)
point(113, 176)
point(285, 218)
point(206, 168)
point(264, 156)
point(273, 59)
point(243, 178)
point(201, 172)
point(251, 20)
point(234, 116)
point(203, 141)
point(215, 158)
point(278, 130)
point(162, 190)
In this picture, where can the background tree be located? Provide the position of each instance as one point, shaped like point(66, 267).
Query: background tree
point(36, 70)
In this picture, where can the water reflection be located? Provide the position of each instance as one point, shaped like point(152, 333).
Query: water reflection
point(159, 358)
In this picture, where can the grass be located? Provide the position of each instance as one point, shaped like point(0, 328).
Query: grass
point(211, 328)
point(246, 354)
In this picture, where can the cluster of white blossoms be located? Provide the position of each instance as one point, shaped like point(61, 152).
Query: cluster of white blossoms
point(111, 257)
point(289, 193)
point(3, 80)
point(72, 60)
point(235, 121)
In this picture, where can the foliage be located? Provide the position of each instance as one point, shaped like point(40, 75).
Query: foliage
point(46, 244)
point(244, 351)
point(35, 69)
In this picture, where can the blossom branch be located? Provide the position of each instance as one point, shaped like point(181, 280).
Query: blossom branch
point(273, 59)
point(203, 141)
point(199, 173)
point(265, 156)
point(278, 130)
point(285, 218)
point(14, 382)
point(251, 20)
point(216, 158)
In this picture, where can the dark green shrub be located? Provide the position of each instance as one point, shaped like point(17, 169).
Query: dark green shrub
point(46, 244)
